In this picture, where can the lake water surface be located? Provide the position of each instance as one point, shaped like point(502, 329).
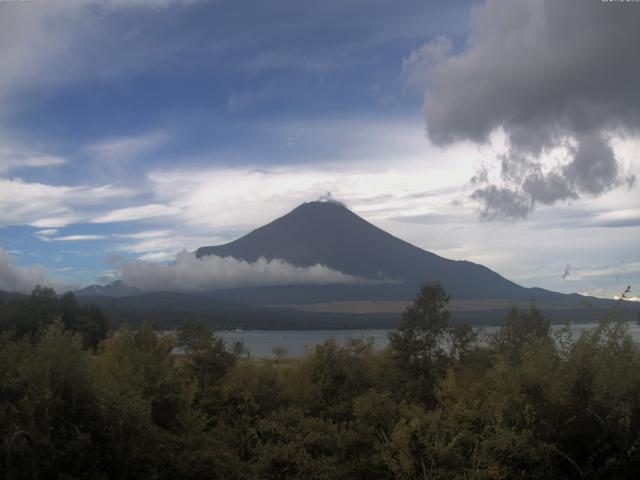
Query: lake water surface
point(261, 343)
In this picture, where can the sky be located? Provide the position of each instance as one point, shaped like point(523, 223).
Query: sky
point(504, 133)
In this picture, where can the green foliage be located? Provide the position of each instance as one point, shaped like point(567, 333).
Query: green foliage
point(418, 344)
point(30, 317)
point(436, 404)
point(519, 328)
point(419, 337)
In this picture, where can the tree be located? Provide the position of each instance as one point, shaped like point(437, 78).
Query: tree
point(194, 337)
point(209, 358)
point(417, 344)
point(239, 349)
point(89, 320)
point(519, 328)
point(279, 352)
point(461, 340)
point(31, 316)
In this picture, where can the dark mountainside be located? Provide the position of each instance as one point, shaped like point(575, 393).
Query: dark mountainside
point(329, 234)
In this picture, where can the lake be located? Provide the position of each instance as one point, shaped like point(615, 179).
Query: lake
point(261, 343)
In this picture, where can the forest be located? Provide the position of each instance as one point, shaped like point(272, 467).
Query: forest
point(440, 402)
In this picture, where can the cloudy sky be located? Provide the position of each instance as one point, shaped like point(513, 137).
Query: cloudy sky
point(505, 133)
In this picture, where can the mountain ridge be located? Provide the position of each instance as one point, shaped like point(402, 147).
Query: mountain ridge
point(328, 233)
point(117, 288)
point(331, 235)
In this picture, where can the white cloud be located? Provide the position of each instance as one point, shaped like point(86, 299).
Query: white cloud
point(144, 235)
point(163, 245)
point(616, 218)
point(137, 213)
point(419, 65)
point(23, 203)
point(390, 161)
point(122, 4)
point(53, 222)
point(49, 206)
point(605, 271)
point(174, 243)
point(77, 238)
point(46, 234)
point(12, 158)
point(112, 156)
point(157, 256)
point(21, 279)
point(211, 273)
point(36, 37)
point(125, 147)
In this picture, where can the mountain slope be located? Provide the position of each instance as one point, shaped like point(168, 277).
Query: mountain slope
point(330, 234)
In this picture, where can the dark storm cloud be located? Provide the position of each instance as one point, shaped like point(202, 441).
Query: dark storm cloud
point(550, 74)
point(594, 168)
point(502, 202)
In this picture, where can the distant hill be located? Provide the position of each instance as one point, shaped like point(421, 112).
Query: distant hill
point(329, 234)
point(9, 296)
point(170, 309)
point(114, 289)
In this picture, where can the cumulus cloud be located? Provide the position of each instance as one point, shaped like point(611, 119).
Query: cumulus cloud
point(21, 279)
point(550, 75)
point(188, 273)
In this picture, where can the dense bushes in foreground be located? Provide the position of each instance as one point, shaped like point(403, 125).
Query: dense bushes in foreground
point(435, 404)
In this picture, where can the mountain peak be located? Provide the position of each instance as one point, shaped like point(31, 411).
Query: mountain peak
point(320, 207)
point(323, 203)
point(324, 232)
